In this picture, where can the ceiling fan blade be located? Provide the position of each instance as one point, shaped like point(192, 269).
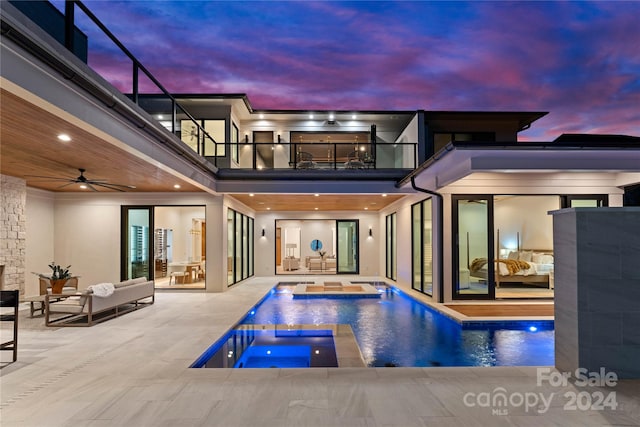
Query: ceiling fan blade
point(66, 185)
point(108, 186)
point(46, 176)
point(132, 187)
point(49, 179)
point(91, 183)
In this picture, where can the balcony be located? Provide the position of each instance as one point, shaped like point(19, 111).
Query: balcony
point(315, 156)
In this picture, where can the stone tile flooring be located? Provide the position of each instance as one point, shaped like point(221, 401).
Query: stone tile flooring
point(133, 371)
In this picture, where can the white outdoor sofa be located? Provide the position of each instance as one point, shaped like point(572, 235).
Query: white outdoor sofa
point(85, 308)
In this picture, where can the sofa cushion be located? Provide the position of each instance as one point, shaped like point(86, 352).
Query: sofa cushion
point(130, 282)
point(68, 305)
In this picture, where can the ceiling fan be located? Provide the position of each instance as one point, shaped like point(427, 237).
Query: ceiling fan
point(84, 181)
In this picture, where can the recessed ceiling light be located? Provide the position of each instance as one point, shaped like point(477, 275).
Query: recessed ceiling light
point(84, 187)
point(353, 117)
point(176, 186)
point(160, 117)
point(384, 195)
point(261, 116)
point(311, 116)
point(332, 117)
point(366, 209)
point(251, 194)
point(315, 208)
point(64, 137)
point(268, 209)
point(317, 195)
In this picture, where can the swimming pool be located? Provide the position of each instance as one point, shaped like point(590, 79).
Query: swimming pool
point(396, 330)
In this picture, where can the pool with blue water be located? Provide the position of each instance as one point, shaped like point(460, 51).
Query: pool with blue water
point(397, 330)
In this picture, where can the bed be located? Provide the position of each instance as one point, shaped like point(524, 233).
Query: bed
point(524, 266)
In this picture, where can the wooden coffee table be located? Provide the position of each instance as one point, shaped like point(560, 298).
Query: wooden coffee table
point(40, 299)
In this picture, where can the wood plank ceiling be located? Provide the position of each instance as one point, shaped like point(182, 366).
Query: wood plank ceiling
point(29, 146)
point(321, 202)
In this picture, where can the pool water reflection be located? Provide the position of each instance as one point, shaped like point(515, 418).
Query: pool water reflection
point(397, 330)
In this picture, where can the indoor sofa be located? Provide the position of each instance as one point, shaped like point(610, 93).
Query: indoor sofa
point(86, 307)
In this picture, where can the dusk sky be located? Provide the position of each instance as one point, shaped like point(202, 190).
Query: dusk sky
point(579, 60)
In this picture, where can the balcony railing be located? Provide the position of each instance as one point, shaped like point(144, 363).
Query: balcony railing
point(322, 155)
point(107, 56)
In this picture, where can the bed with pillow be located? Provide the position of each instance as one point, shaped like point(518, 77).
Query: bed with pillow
point(524, 266)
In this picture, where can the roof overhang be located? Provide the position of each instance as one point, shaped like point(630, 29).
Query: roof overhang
point(457, 161)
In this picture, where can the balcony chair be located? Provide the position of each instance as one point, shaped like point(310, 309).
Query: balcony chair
point(355, 161)
point(305, 161)
point(10, 299)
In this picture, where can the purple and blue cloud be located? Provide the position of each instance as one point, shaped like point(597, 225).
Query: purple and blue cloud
point(578, 60)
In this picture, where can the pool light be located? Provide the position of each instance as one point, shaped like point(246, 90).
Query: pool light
point(532, 328)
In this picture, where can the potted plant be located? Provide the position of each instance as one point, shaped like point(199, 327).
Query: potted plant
point(59, 277)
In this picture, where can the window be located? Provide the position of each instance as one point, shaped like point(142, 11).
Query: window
point(215, 128)
point(235, 156)
point(391, 247)
point(584, 201)
point(192, 135)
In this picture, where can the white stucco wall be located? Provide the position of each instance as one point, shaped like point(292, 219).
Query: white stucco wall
point(83, 230)
point(40, 208)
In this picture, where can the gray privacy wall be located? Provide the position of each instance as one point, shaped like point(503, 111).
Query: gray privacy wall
point(597, 289)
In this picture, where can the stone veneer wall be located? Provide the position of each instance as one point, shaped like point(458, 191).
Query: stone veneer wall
point(13, 232)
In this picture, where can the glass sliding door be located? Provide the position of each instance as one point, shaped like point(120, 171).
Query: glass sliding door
point(250, 247)
point(136, 242)
point(347, 246)
point(473, 261)
point(416, 244)
point(230, 246)
point(245, 247)
point(422, 247)
point(240, 246)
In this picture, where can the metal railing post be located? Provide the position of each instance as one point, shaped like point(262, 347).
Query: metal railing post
point(174, 116)
point(69, 26)
point(134, 89)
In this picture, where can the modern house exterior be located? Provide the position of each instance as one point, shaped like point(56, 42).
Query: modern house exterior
point(413, 197)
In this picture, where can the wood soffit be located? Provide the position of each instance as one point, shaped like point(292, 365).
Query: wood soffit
point(320, 203)
point(29, 146)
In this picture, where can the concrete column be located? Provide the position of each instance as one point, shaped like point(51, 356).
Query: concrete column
point(597, 289)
